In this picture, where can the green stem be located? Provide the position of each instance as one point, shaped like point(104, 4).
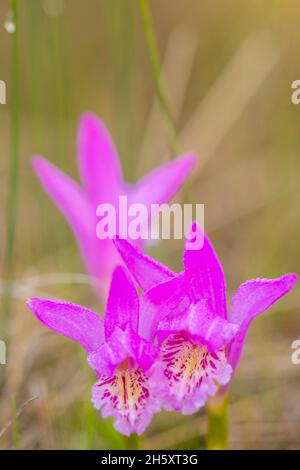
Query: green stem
point(14, 160)
point(157, 70)
point(217, 432)
point(15, 425)
point(132, 442)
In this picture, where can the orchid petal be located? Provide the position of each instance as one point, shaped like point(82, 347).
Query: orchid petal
point(102, 180)
point(187, 374)
point(99, 255)
point(146, 271)
point(99, 164)
point(122, 305)
point(67, 195)
point(123, 345)
point(212, 330)
point(167, 299)
point(206, 273)
point(78, 323)
point(127, 396)
point(251, 299)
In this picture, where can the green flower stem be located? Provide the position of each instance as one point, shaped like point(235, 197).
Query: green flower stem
point(217, 420)
point(157, 70)
point(14, 160)
point(132, 442)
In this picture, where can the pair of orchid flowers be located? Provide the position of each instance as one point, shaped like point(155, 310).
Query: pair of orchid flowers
point(174, 346)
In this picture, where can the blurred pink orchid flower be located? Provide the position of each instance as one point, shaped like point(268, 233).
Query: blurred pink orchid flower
point(200, 345)
point(102, 182)
point(120, 356)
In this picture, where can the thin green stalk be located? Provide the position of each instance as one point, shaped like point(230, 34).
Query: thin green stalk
point(123, 76)
point(15, 428)
point(14, 160)
point(132, 442)
point(157, 70)
point(217, 432)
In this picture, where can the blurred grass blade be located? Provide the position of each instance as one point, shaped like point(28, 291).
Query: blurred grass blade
point(14, 422)
point(157, 71)
point(178, 61)
point(229, 97)
point(15, 428)
point(14, 160)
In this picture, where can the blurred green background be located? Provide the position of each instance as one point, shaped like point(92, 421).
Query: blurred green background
point(228, 72)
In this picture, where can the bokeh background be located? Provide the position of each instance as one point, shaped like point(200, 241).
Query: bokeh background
point(228, 69)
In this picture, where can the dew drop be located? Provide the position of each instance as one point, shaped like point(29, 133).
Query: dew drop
point(9, 24)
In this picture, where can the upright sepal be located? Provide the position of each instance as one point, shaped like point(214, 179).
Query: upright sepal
point(122, 308)
point(146, 271)
point(78, 323)
point(206, 272)
point(251, 299)
point(98, 160)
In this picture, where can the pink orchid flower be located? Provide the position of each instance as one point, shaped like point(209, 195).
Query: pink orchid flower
point(120, 356)
point(102, 182)
point(200, 345)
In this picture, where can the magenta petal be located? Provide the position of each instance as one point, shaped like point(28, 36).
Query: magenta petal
point(206, 273)
point(122, 305)
point(67, 195)
point(146, 271)
point(99, 164)
point(187, 374)
point(71, 320)
point(115, 350)
point(161, 184)
point(146, 354)
point(71, 201)
point(127, 396)
point(251, 299)
point(202, 325)
point(122, 345)
point(101, 176)
point(167, 299)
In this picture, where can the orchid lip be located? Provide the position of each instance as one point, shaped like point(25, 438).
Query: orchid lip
point(189, 372)
point(125, 395)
